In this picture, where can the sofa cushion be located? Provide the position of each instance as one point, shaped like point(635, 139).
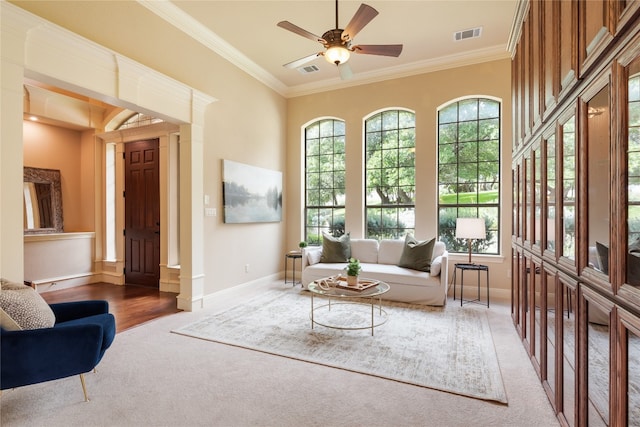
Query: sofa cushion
point(335, 249)
point(365, 250)
point(391, 274)
point(21, 307)
point(390, 251)
point(416, 255)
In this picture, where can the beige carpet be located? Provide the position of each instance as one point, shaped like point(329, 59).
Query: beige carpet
point(152, 377)
point(437, 347)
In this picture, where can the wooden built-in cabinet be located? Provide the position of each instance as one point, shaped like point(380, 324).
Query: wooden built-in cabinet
point(576, 205)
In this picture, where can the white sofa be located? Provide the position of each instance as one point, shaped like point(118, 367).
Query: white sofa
point(379, 261)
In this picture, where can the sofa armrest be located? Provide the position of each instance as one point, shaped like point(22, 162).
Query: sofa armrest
point(444, 272)
point(305, 254)
point(37, 355)
point(66, 311)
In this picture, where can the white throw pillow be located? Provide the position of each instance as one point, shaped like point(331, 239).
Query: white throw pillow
point(436, 265)
point(313, 256)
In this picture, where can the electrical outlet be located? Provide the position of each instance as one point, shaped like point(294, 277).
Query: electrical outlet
point(246, 268)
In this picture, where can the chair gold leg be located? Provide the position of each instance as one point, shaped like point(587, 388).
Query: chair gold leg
point(84, 388)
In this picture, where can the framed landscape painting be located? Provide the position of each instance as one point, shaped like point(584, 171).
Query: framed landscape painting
point(250, 193)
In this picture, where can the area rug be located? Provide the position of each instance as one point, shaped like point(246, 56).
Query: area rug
point(449, 348)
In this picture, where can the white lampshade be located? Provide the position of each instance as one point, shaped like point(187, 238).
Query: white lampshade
point(470, 228)
point(337, 55)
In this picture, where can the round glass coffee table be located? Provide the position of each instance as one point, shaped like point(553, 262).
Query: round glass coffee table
point(347, 308)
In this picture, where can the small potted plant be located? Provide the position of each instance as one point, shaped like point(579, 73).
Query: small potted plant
point(302, 245)
point(353, 270)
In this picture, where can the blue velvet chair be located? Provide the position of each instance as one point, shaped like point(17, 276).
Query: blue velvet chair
point(83, 331)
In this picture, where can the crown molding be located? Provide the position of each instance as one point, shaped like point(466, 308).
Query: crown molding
point(190, 26)
point(493, 53)
point(516, 26)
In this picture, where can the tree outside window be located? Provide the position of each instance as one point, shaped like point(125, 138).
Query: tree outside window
point(390, 174)
point(469, 171)
point(324, 179)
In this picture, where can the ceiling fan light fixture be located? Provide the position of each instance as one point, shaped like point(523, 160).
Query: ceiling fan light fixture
point(337, 55)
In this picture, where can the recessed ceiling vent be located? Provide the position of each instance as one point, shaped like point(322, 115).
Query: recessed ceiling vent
point(308, 69)
point(471, 33)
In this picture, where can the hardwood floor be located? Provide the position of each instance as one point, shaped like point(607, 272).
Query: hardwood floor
point(130, 304)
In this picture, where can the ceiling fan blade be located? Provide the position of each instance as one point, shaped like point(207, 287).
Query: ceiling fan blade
point(362, 17)
point(345, 71)
point(379, 49)
point(301, 32)
point(298, 62)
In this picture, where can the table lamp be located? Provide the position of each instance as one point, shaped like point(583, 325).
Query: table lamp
point(470, 228)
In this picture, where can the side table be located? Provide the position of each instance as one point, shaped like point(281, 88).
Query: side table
point(470, 267)
point(293, 255)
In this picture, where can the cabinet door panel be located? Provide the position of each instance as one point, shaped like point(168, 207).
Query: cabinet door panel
point(597, 32)
point(568, 44)
point(599, 178)
point(568, 406)
point(632, 127)
point(569, 189)
point(597, 334)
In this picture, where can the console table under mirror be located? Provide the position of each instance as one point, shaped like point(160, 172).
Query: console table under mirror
point(42, 201)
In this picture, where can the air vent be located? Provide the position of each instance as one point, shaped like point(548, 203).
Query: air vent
point(471, 33)
point(308, 69)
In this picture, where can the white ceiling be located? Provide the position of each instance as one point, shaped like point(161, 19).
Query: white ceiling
point(245, 32)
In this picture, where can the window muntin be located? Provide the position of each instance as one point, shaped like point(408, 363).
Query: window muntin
point(469, 170)
point(390, 174)
point(324, 179)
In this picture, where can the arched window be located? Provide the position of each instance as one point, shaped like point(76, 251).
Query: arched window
point(469, 170)
point(324, 179)
point(390, 174)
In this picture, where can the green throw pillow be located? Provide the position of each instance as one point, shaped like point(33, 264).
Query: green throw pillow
point(335, 249)
point(417, 255)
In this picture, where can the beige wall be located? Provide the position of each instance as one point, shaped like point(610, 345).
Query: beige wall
point(251, 123)
point(423, 94)
point(245, 124)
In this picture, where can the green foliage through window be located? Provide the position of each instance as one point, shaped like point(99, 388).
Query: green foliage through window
point(390, 174)
point(324, 178)
point(469, 170)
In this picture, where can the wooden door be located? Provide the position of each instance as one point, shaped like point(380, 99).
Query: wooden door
point(142, 213)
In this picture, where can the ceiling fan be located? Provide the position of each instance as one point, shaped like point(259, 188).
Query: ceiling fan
point(337, 42)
